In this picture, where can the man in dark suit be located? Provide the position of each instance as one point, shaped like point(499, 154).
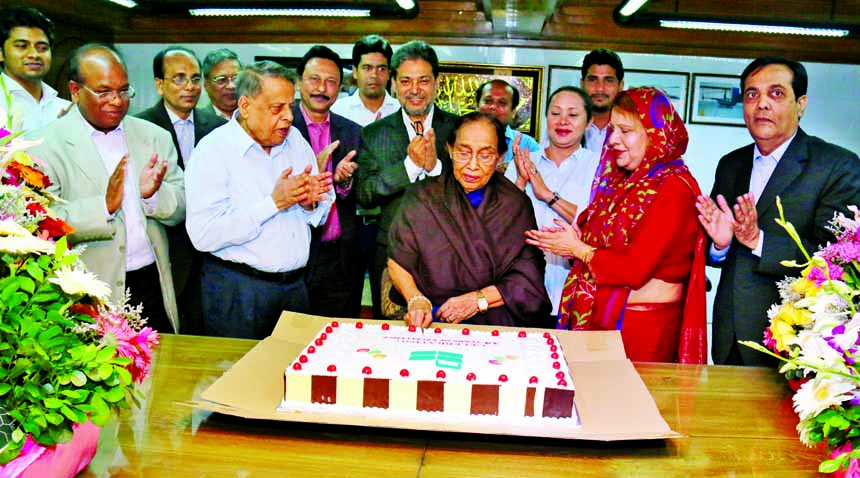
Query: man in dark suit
point(813, 179)
point(334, 279)
point(404, 147)
point(178, 81)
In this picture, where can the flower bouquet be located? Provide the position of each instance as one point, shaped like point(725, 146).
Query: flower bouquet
point(815, 331)
point(68, 358)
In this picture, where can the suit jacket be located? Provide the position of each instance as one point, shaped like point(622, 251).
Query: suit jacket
point(381, 176)
point(347, 132)
point(80, 178)
point(181, 249)
point(204, 122)
point(814, 179)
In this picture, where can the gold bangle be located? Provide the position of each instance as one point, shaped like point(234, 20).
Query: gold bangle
point(416, 298)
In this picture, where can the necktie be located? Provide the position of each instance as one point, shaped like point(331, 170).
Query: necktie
point(378, 115)
point(419, 128)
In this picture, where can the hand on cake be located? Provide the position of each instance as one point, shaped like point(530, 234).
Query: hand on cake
point(420, 313)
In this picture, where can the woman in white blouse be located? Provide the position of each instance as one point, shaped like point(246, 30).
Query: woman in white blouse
point(558, 178)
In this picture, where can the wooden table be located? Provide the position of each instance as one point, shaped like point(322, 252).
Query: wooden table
point(739, 422)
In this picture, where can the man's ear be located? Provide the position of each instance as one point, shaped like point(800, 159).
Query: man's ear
point(801, 103)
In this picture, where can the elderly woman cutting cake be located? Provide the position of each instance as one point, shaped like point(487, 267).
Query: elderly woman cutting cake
point(455, 244)
point(638, 262)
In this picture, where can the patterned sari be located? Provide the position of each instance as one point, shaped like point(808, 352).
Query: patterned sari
point(621, 200)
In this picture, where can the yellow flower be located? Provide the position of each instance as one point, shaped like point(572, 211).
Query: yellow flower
point(782, 333)
point(25, 245)
point(805, 287)
point(9, 227)
point(794, 316)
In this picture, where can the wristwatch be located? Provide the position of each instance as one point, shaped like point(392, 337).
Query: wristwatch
point(555, 198)
point(483, 305)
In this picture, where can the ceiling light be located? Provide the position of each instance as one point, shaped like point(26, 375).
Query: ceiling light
point(631, 7)
point(406, 4)
point(125, 3)
point(281, 12)
point(739, 27)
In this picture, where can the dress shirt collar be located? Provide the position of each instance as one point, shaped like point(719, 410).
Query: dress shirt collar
point(427, 122)
point(358, 104)
point(309, 121)
point(47, 92)
point(777, 153)
point(580, 151)
point(175, 117)
point(94, 133)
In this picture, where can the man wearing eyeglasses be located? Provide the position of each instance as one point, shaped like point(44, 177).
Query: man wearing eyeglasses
point(178, 82)
point(119, 179)
point(334, 280)
point(220, 70)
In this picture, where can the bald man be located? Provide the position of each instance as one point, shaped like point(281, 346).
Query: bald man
point(120, 182)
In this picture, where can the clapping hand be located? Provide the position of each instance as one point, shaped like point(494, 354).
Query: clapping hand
point(723, 223)
point(290, 190)
point(318, 186)
point(422, 150)
point(345, 169)
point(562, 240)
point(116, 186)
point(152, 176)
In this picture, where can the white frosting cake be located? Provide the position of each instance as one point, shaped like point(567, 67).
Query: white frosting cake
point(457, 371)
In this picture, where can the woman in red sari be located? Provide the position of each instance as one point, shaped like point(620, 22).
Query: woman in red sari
point(638, 253)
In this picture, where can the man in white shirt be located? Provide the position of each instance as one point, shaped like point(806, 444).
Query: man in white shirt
point(405, 147)
point(179, 85)
point(27, 36)
point(120, 184)
point(814, 180)
point(371, 59)
point(602, 79)
point(254, 192)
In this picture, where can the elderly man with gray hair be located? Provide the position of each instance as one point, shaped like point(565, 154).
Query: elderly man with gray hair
point(220, 70)
point(252, 200)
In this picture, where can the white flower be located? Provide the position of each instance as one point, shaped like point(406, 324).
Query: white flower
point(81, 282)
point(821, 393)
point(26, 245)
point(9, 227)
point(804, 428)
point(817, 353)
point(828, 311)
point(848, 338)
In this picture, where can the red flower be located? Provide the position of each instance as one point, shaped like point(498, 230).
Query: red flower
point(36, 209)
point(86, 309)
point(54, 228)
point(29, 175)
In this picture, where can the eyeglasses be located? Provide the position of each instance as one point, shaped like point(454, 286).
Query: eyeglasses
point(222, 80)
point(181, 80)
point(316, 80)
point(105, 96)
point(485, 157)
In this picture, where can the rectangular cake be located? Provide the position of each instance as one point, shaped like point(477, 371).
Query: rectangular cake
point(458, 371)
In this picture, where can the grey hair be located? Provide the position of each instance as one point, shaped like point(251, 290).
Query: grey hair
point(250, 82)
point(215, 57)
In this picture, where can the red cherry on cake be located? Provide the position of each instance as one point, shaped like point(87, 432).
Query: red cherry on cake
point(465, 331)
point(546, 335)
point(303, 358)
point(556, 365)
point(359, 325)
point(323, 336)
point(328, 329)
point(550, 341)
point(318, 342)
point(335, 324)
point(412, 328)
point(553, 348)
point(533, 379)
point(494, 333)
point(366, 370)
point(297, 366)
point(562, 383)
point(559, 375)
point(553, 355)
point(440, 374)
point(404, 373)
point(385, 326)
point(311, 349)
point(522, 334)
point(331, 368)
point(471, 377)
point(503, 378)
point(437, 330)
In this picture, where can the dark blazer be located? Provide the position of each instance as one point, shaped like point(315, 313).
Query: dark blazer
point(814, 179)
point(181, 250)
point(204, 122)
point(348, 133)
point(381, 176)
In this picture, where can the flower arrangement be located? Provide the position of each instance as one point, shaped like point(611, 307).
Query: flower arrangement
point(815, 331)
point(67, 356)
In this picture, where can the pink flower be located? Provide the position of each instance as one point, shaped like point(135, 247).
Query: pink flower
point(842, 251)
point(769, 342)
point(853, 470)
point(819, 276)
point(136, 345)
point(4, 132)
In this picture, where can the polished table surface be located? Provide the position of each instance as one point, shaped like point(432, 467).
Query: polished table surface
point(738, 422)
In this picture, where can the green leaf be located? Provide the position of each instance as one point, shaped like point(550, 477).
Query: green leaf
point(114, 394)
point(31, 427)
point(99, 411)
point(124, 376)
point(828, 466)
point(106, 354)
point(61, 248)
point(26, 284)
point(53, 403)
point(35, 271)
point(18, 435)
point(54, 418)
point(74, 415)
point(79, 379)
point(4, 388)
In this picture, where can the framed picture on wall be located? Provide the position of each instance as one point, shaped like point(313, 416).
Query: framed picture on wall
point(717, 100)
point(675, 85)
point(458, 83)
